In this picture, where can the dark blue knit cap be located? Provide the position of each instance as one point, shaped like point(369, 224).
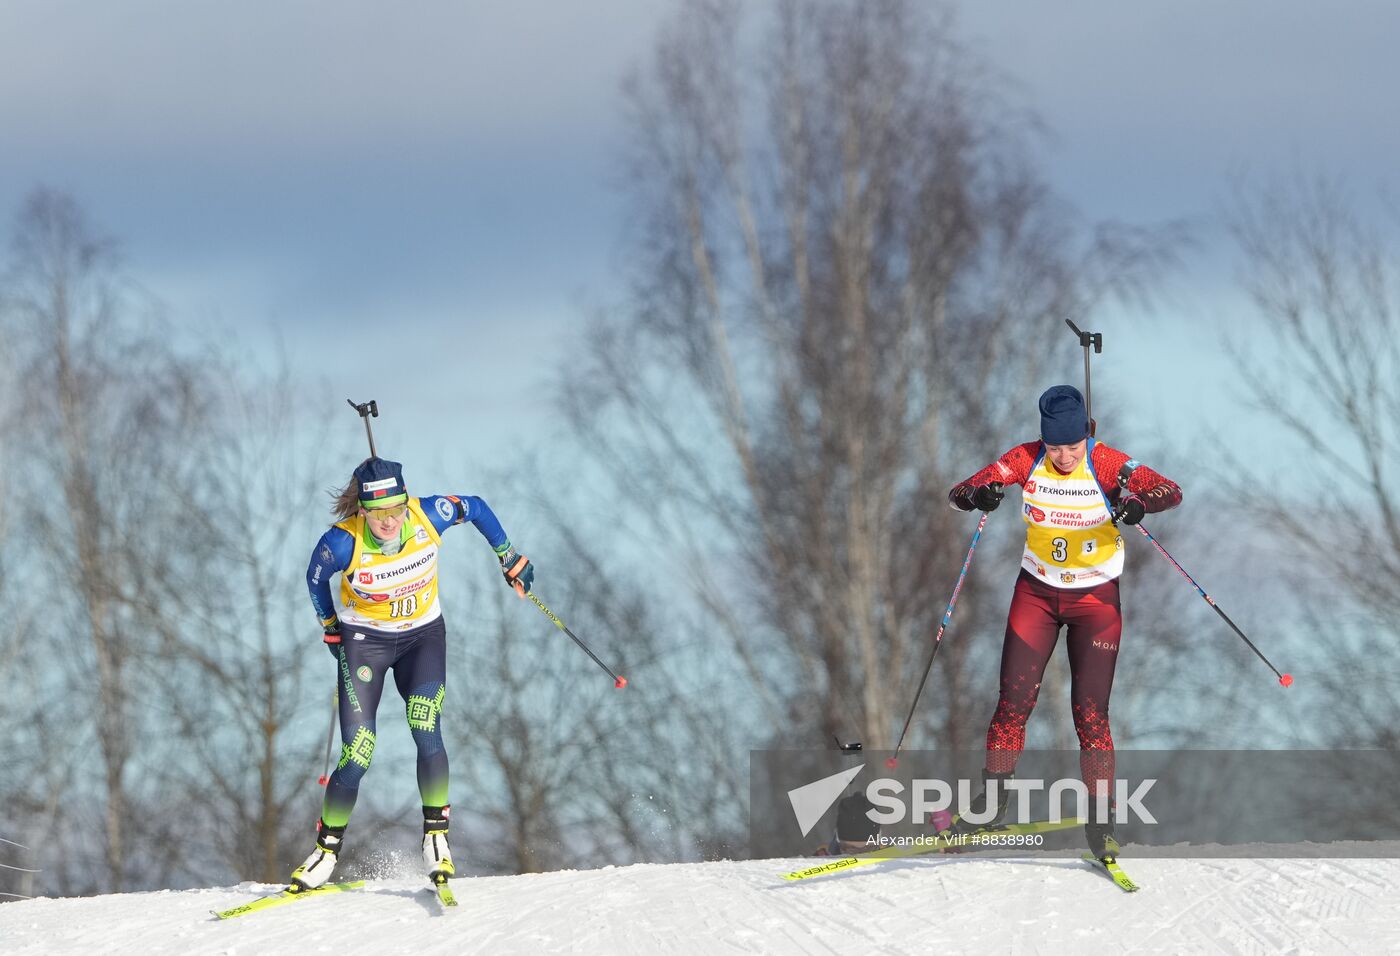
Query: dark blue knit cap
point(380, 480)
point(1063, 419)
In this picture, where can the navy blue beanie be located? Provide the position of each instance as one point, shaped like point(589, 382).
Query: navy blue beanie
point(381, 482)
point(1063, 419)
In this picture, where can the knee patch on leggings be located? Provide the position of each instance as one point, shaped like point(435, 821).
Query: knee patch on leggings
point(355, 756)
point(424, 708)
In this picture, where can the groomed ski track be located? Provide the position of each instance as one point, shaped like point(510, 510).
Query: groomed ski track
point(1021, 905)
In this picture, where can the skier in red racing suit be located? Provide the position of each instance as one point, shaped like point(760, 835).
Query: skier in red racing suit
point(1071, 486)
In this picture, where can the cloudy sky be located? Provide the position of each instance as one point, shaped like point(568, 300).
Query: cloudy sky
point(437, 175)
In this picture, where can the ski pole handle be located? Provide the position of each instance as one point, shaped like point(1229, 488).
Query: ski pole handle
point(1087, 340)
point(366, 410)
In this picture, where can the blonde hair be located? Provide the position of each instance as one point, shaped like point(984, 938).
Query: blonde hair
point(345, 503)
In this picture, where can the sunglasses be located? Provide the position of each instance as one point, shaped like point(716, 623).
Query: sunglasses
point(386, 514)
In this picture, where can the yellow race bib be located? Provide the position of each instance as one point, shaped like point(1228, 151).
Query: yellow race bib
point(1070, 541)
point(394, 592)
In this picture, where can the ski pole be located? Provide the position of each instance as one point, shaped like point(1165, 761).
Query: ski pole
point(330, 735)
point(893, 761)
point(618, 682)
point(1095, 339)
point(1087, 339)
point(366, 409)
point(1285, 679)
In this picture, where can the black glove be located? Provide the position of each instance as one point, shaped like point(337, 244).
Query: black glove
point(987, 497)
point(1131, 510)
point(332, 638)
point(519, 572)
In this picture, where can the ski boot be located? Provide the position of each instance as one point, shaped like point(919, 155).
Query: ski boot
point(980, 803)
point(1100, 835)
point(321, 863)
point(437, 855)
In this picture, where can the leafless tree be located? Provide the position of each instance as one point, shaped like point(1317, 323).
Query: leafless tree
point(172, 608)
point(562, 768)
point(1322, 366)
point(99, 406)
point(24, 755)
point(237, 668)
point(521, 744)
point(849, 285)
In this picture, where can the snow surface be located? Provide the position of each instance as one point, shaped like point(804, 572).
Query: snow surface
point(1039, 905)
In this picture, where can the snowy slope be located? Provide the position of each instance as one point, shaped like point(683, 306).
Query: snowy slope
point(1039, 905)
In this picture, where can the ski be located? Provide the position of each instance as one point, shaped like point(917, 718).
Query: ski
point(444, 892)
point(287, 895)
point(1115, 872)
point(988, 838)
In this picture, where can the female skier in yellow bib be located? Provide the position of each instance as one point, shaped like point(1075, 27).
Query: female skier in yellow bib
point(1073, 558)
point(385, 547)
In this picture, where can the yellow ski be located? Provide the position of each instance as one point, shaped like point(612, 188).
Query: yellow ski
point(288, 895)
point(444, 892)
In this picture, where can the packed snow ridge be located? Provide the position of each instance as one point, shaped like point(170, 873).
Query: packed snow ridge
point(1037, 904)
